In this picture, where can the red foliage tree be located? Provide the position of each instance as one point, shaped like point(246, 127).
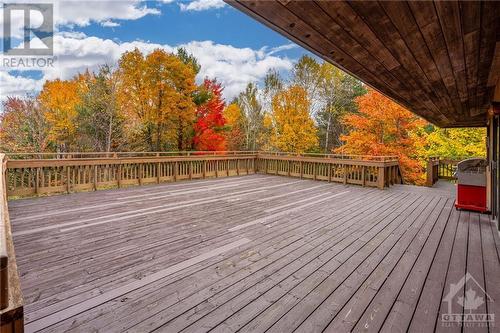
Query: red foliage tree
point(210, 122)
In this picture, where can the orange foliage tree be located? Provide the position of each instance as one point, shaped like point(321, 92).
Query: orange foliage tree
point(209, 125)
point(383, 127)
point(235, 119)
point(59, 100)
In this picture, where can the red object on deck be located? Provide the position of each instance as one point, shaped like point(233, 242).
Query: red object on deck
point(471, 197)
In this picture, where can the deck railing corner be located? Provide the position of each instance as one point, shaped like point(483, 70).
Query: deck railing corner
point(11, 299)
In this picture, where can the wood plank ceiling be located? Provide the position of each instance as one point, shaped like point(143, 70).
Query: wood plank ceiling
point(434, 58)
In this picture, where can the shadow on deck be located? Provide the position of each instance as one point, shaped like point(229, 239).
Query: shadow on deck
point(254, 253)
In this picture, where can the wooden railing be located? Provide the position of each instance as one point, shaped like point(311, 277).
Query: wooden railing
point(74, 172)
point(440, 168)
point(27, 177)
point(365, 171)
point(11, 299)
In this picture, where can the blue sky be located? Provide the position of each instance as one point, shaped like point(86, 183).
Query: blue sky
point(229, 45)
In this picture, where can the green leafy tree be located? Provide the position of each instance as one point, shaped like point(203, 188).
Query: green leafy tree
point(455, 143)
point(100, 122)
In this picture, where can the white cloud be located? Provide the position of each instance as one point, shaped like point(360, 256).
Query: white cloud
point(110, 24)
point(199, 5)
point(234, 67)
point(70, 13)
point(82, 13)
point(14, 85)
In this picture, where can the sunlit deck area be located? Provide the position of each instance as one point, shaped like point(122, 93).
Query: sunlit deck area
point(252, 253)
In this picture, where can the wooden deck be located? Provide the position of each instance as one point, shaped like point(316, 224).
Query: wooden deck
point(253, 253)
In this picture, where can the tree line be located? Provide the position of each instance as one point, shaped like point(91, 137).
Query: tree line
point(151, 102)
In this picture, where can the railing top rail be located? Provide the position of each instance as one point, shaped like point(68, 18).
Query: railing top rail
point(77, 155)
point(334, 156)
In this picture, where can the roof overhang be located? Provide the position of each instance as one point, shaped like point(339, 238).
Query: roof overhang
point(438, 59)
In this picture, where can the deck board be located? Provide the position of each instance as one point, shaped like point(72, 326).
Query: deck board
point(307, 256)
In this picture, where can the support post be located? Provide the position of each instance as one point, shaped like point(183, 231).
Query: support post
point(301, 169)
point(158, 173)
point(344, 168)
point(37, 181)
point(430, 174)
point(95, 177)
point(139, 171)
point(204, 168)
point(363, 176)
point(380, 178)
point(190, 170)
point(119, 176)
point(329, 172)
point(68, 180)
point(176, 167)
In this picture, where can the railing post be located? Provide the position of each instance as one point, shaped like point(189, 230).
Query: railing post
point(430, 172)
point(176, 170)
point(119, 176)
point(227, 167)
point(158, 174)
point(344, 168)
point(363, 177)
point(315, 170)
point(301, 169)
point(216, 168)
point(329, 172)
point(237, 166)
point(95, 177)
point(139, 171)
point(381, 177)
point(68, 180)
point(37, 181)
point(190, 170)
point(288, 168)
point(204, 168)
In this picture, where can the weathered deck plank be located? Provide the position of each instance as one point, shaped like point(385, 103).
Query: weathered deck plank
point(307, 256)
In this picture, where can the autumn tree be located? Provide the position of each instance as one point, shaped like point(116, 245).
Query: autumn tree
point(210, 121)
point(293, 129)
point(100, 124)
point(306, 73)
point(235, 120)
point(456, 143)
point(156, 93)
point(383, 127)
point(23, 127)
point(59, 100)
point(250, 105)
point(337, 92)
